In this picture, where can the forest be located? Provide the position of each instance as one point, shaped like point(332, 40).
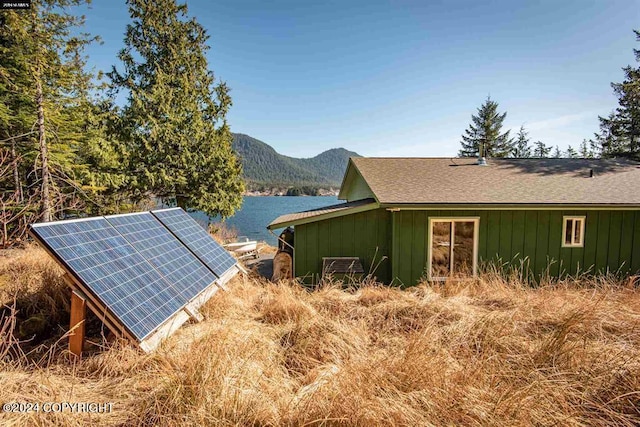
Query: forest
point(264, 168)
point(69, 149)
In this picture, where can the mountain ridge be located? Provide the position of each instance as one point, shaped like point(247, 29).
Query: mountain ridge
point(265, 168)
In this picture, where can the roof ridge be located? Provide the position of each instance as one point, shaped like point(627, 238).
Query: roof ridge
point(494, 158)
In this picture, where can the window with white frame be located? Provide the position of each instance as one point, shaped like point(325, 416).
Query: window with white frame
point(453, 251)
point(573, 231)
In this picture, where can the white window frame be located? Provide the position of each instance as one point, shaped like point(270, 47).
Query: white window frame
point(574, 218)
point(454, 219)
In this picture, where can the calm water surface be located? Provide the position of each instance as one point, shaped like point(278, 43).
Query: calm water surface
point(257, 212)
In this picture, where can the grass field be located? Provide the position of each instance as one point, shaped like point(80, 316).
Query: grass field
point(484, 352)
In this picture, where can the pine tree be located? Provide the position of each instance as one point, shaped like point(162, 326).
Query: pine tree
point(571, 153)
point(620, 132)
point(521, 146)
point(179, 143)
point(540, 150)
point(587, 150)
point(106, 179)
point(44, 92)
point(483, 136)
point(15, 104)
point(557, 153)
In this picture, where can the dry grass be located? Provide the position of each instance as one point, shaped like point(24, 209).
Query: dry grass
point(488, 352)
point(222, 232)
point(265, 248)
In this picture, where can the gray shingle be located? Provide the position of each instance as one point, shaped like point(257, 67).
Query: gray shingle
point(503, 181)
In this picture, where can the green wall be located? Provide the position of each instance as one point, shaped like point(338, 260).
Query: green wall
point(357, 234)
point(611, 241)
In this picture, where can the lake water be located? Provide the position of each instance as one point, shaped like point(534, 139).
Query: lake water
point(257, 212)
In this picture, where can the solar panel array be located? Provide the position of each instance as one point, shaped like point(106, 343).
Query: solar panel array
point(186, 274)
point(196, 239)
point(133, 265)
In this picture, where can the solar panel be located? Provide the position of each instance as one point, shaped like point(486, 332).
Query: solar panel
point(113, 271)
point(186, 273)
point(193, 236)
point(137, 273)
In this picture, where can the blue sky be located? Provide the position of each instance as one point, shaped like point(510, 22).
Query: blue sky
point(402, 78)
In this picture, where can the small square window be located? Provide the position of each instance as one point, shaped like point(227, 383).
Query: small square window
point(573, 231)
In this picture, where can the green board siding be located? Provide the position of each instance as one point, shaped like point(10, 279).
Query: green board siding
point(611, 241)
point(626, 240)
point(534, 237)
point(555, 245)
point(493, 234)
point(349, 235)
point(635, 252)
point(602, 241)
point(542, 259)
point(506, 232)
point(517, 234)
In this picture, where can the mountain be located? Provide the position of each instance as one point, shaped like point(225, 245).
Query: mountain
point(265, 167)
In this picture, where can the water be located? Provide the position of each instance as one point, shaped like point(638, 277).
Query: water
point(257, 212)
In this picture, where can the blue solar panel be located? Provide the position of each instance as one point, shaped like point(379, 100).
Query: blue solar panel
point(186, 273)
point(114, 271)
point(196, 239)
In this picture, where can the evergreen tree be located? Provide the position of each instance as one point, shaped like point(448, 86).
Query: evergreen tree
point(106, 178)
point(521, 146)
point(571, 153)
point(620, 131)
point(178, 140)
point(43, 102)
point(540, 150)
point(483, 136)
point(588, 150)
point(557, 153)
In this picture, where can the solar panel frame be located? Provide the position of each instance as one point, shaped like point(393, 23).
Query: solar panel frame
point(194, 237)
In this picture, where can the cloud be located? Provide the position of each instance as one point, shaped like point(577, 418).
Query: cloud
point(442, 148)
point(557, 122)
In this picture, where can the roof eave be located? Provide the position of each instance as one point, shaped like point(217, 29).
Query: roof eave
point(348, 211)
point(513, 206)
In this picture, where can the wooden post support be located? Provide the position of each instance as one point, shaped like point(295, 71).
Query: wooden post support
point(194, 313)
point(78, 315)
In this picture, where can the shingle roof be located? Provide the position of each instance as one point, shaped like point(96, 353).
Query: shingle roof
point(503, 181)
point(327, 211)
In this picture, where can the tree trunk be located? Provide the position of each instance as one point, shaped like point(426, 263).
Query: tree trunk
point(16, 173)
point(181, 201)
point(44, 153)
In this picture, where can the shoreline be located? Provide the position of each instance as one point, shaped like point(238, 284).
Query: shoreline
point(253, 194)
point(283, 193)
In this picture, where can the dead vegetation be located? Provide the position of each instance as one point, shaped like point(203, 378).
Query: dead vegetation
point(485, 352)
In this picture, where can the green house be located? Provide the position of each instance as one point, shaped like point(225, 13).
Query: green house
point(410, 219)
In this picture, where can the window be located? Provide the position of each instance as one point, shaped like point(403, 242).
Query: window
point(453, 249)
point(573, 231)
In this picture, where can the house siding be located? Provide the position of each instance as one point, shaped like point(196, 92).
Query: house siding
point(355, 188)
point(611, 241)
point(358, 234)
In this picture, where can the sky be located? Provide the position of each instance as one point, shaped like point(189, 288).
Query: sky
point(403, 77)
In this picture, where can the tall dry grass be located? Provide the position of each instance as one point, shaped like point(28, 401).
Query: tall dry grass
point(485, 352)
